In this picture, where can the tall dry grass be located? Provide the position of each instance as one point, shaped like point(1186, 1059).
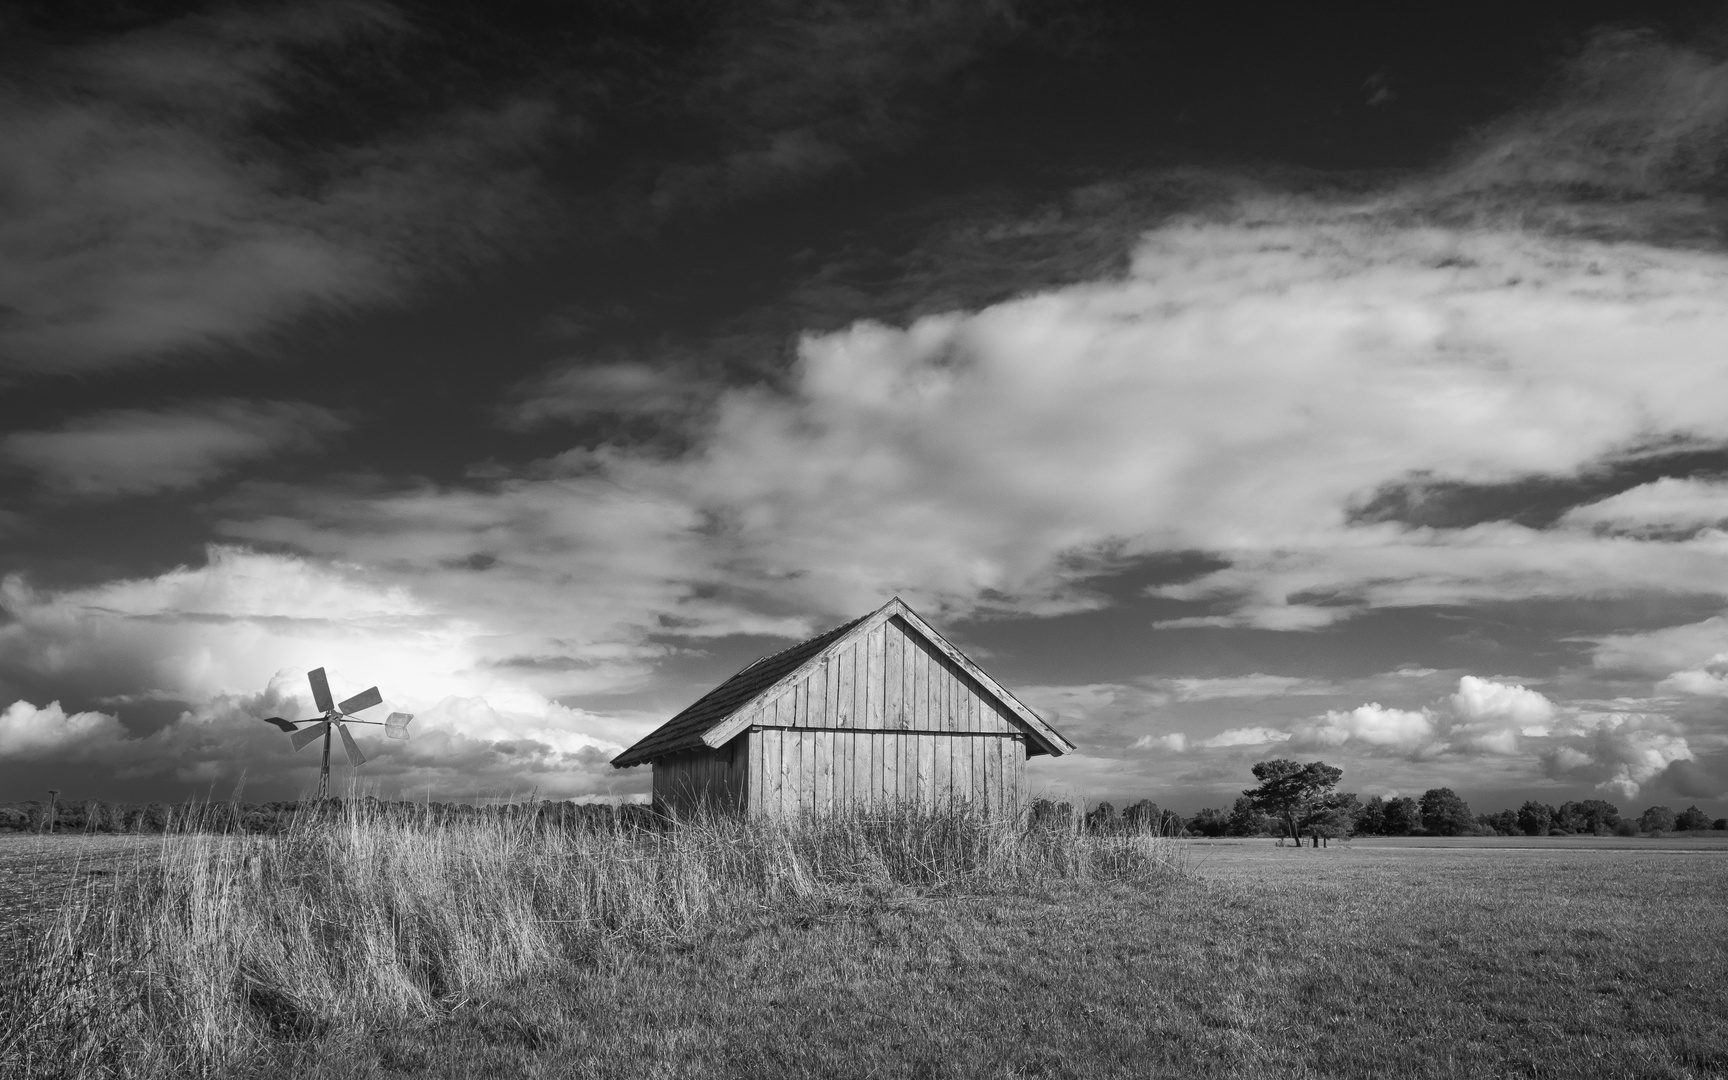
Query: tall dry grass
point(366, 917)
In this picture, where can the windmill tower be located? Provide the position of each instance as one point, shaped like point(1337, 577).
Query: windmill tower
point(337, 717)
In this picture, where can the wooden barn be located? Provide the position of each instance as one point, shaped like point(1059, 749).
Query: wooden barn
point(882, 711)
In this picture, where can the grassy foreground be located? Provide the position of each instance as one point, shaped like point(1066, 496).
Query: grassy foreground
point(232, 953)
point(908, 947)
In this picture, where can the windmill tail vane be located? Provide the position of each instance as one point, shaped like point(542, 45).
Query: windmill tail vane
point(336, 716)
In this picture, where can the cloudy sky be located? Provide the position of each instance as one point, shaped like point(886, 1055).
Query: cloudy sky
point(1340, 383)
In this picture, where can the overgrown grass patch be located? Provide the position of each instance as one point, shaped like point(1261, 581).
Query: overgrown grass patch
point(240, 953)
point(1261, 964)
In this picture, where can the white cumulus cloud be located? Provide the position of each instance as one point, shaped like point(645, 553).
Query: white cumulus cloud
point(28, 733)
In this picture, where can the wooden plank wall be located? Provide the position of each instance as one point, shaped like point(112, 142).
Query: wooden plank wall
point(683, 783)
point(793, 771)
point(885, 720)
point(888, 678)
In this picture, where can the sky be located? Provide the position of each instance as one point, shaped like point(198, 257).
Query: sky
point(1345, 383)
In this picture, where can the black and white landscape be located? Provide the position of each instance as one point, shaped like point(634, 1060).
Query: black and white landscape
point(1343, 382)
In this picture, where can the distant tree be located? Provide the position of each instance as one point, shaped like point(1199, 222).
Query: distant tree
point(1102, 818)
point(1338, 818)
point(1691, 819)
point(1371, 817)
point(1625, 827)
point(1143, 815)
point(1246, 819)
point(1402, 816)
point(1299, 795)
point(1209, 822)
point(1720, 824)
point(1656, 819)
point(1445, 814)
point(1535, 819)
point(1590, 816)
point(1501, 823)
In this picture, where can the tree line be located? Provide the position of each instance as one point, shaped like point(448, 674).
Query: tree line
point(99, 816)
point(1299, 802)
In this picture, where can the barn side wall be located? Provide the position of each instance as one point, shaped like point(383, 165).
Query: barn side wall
point(801, 771)
point(712, 780)
point(886, 719)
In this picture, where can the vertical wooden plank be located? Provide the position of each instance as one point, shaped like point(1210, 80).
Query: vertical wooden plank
point(939, 752)
point(965, 771)
point(994, 769)
point(822, 699)
point(823, 771)
point(803, 777)
point(886, 777)
point(862, 775)
point(927, 769)
point(1019, 776)
point(838, 767)
point(918, 672)
point(843, 687)
point(894, 669)
point(871, 669)
point(812, 759)
point(951, 689)
point(911, 788)
point(863, 770)
point(771, 772)
point(753, 772)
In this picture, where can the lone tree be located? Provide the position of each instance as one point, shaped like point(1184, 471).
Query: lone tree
point(1300, 797)
point(1445, 814)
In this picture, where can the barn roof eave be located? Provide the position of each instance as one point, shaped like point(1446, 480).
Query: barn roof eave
point(724, 712)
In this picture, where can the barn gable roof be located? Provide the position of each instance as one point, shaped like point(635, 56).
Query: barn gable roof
point(723, 712)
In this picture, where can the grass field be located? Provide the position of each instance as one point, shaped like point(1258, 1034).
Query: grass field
point(1382, 959)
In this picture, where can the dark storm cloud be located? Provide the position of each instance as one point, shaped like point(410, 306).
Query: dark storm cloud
point(140, 451)
point(159, 200)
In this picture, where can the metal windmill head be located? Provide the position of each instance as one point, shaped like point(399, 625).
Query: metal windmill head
point(338, 715)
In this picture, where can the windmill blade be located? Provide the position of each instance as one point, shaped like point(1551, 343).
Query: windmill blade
point(308, 735)
point(285, 725)
point(365, 699)
point(396, 725)
point(321, 690)
point(355, 757)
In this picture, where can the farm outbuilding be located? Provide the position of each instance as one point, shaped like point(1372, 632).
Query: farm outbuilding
point(882, 711)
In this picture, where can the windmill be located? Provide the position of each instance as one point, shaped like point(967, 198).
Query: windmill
point(338, 717)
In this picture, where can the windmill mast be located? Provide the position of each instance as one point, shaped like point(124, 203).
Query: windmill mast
point(324, 773)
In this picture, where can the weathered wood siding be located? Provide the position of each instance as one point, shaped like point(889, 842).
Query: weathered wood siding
point(715, 779)
point(886, 719)
point(793, 771)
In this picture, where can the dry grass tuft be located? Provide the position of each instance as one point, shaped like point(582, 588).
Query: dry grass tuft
point(226, 946)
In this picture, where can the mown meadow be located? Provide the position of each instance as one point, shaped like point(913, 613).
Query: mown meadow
point(370, 944)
